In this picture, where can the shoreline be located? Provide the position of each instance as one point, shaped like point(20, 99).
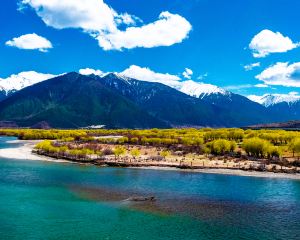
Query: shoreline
point(23, 151)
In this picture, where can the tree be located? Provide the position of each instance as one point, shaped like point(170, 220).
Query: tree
point(119, 151)
point(232, 146)
point(256, 147)
point(220, 146)
point(135, 152)
point(294, 146)
point(274, 151)
point(165, 153)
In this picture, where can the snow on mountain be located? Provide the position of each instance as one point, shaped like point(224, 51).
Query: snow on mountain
point(189, 87)
point(21, 80)
point(199, 89)
point(271, 99)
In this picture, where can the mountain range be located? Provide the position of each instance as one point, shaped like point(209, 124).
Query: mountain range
point(74, 100)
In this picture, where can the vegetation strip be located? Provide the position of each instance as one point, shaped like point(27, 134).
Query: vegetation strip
point(259, 150)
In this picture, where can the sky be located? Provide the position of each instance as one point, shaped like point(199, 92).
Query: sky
point(250, 47)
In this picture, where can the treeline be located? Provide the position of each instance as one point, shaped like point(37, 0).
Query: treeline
point(253, 143)
point(84, 152)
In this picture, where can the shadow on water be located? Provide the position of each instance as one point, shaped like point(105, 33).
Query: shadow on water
point(196, 207)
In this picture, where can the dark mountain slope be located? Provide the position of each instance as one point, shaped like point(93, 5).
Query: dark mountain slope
point(73, 100)
point(2, 95)
point(279, 125)
point(240, 111)
point(285, 111)
point(165, 103)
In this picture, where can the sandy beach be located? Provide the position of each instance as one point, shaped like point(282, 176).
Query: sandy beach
point(23, 151)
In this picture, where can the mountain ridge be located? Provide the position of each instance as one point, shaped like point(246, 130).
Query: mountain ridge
point(73, 100)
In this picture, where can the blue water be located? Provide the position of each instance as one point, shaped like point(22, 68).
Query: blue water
point(45, 200)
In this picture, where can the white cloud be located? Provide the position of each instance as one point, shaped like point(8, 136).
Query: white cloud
point(249, 67)
point(267, 42)
point(91, 15)
point(238, 87)
point(166, 31)
point(282, 74)
point(146, 74)
point(22, 79)
point(190, 87)
point(188, 73)
point(128, 19)
point(31, 42)
point(202, 76)
point(260, 85)
point(89, 71)
point(101, 22)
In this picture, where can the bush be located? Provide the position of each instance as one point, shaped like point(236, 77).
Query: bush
point(256, 147)
point(221, 146)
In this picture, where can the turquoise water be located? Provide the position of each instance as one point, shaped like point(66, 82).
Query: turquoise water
point(45, 200)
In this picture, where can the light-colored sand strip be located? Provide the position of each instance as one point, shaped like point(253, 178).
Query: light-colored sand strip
point(24, 151)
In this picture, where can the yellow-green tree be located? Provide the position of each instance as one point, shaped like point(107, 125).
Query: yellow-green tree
point(135, 153)
point(294, 146)
point(256, 147)
point(119, 151)
point(165, 153)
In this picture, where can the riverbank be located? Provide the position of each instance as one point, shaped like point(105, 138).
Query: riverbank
point(23, 150)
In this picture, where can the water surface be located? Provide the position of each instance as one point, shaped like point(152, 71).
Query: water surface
point(45, 200)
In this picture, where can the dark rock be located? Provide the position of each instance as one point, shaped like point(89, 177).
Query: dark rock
point(141, 199)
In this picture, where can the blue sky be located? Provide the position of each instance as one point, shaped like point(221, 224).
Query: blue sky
point(216, 48)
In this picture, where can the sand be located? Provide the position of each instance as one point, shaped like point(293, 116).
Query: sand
point(23, 151)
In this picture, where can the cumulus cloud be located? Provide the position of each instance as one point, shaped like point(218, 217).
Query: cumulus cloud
point(102, 22)
point(166, 31)
point(128, 19)
point(260, 85)
point(188, 73)
point(202, 76)
point(92, 15)
point(31, 42)
point(267, 42)
point(190, 87)
point(23, 79)
point(238, 87)
point(89, 71)
point(249, 67)
point(281, 74)
point(146, 74)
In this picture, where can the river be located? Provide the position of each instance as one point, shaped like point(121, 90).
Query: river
point(48, 200)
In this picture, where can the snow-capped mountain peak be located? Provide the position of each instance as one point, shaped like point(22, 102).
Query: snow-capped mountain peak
point(21, 80)
point(199, 89)
point(271, 99)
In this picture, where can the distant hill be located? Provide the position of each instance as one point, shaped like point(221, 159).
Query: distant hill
point(281, 125)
